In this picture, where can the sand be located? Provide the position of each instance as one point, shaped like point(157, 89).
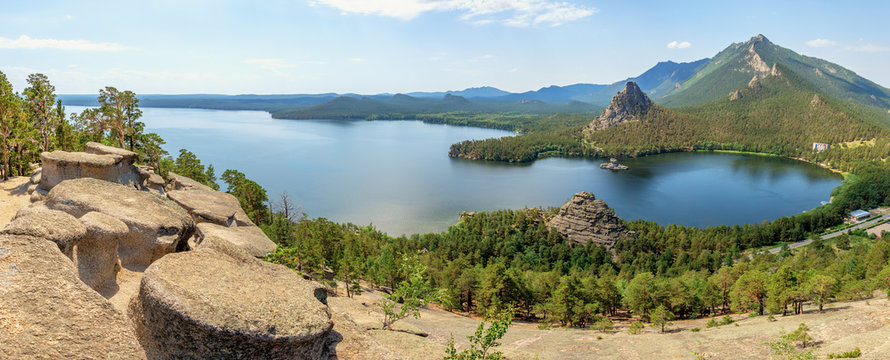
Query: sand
point(13, 196)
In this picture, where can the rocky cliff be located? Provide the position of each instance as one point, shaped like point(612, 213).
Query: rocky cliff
point(628, 104)
point(584, 218)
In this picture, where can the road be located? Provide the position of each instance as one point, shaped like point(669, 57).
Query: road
point(831, 235)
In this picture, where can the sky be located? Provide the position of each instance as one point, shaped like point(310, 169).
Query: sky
point(391, 46)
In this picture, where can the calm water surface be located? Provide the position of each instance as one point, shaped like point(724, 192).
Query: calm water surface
point(398, 176)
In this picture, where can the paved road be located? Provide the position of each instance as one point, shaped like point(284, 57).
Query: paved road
point(831, 235)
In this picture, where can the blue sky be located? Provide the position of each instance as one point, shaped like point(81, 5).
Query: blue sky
point(364, 46)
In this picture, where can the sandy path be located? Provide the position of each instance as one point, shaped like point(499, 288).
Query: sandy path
point(13, 196)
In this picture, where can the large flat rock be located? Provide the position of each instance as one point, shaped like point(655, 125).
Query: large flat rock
point(179, 182)
point(218, 302)
point(59, 166)
point(251, 239)
point(97, 148)
point(211, 206)
point(157, 226)
point(47, 313)
point(56, 226)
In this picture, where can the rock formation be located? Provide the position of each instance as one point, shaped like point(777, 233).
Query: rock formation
point(628, 104)
point(248, 238)
point(157, 226)
point(98, 162)
point(243, 308)
point(584, 218)
point(46, 312)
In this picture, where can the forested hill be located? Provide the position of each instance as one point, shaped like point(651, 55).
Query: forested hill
point(779, 113)
point(733, 67)
point(401, 106)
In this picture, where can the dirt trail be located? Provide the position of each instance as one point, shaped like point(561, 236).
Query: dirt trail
point(13, 196)
point(842, 327)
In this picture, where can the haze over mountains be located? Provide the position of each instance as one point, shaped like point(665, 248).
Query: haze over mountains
point(667, 83)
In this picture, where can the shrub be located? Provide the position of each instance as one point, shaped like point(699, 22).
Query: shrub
point(635, 328)
point(855, 353)
point(604, 324)
point(771, 318)
point(726, 320)
point(712, 323)
point(695, 329)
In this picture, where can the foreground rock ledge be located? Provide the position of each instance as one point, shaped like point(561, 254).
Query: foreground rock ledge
point(219, 302)
point(157, 226)
point(47, 313)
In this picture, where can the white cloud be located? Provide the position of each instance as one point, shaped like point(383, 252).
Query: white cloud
point(26, 42)
point(870, 48)
point(69, 17)
point(678, 45)
point(519, 13)
point(357, 59)
point(269, 63)
point(819, 43)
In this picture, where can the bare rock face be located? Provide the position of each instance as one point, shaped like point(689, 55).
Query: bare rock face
point(46, 312)
point(99, 162)
point(56, 226)
point(218, 302)
point(211, 206)
point(584, 218)
point(157, 226)
point(95, 255)
point(179, 182)
point(629, 104)
point(251, 239)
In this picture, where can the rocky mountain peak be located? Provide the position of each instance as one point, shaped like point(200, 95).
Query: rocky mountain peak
point(628, 104)
point(584, 218)
point(759, 38)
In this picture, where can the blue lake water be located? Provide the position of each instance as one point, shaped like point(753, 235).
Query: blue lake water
point(398, 176)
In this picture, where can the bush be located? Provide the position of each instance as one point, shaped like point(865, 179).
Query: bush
point(604, 324)
point(855, 353)
point(712, 323)
point(635, 328)
point(695, 329)
point(771, 318)
point(726, 320)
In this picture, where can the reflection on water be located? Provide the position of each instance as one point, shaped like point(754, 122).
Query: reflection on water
point(397, 174)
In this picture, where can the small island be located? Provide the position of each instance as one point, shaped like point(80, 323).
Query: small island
point(613, 165)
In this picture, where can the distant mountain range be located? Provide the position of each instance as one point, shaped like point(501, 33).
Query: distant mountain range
point(667, 83)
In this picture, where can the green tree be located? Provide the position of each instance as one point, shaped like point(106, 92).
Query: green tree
point(41, 97)
point(9, 109)
point(409, 295)
point(821, 288)
point(801, 335)
point(121, 111)
point(641, 294)
point(661, 317)
point(484, 340)
point(749, 291)
point(251, 195)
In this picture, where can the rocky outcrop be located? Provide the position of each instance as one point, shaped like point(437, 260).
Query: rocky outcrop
point(157, 226)
point(211, 206)
point(251, 239)
point(584, 218)
point(98, 162)
point(179, 182)
point(56, 226)
point(96, 254)
point(46, 312)
point(629, 104)
point(213, 303)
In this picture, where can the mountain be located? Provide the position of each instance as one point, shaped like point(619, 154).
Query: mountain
point(470, 93)
point(557, 94)
point(628, 105)
point(734, 67)
point(774, 111)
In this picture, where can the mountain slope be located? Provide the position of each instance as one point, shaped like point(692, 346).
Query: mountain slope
point(775, 112)
point(733, 67)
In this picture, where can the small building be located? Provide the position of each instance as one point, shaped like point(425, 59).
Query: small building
point(859, 215)
point(821, 146)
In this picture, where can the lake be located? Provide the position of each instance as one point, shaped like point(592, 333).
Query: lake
point(398, 176)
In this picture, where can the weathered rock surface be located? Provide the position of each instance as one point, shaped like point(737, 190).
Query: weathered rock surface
point(628, 104)
point(251, 239)
point(95, 255)
point(584, 218)
point(211, 206)
point(207, 303)
point(56, 226)
point(179, 182)
point(151, 181)
point(157, 226)
point(47, 313)
point(106, 163)
point(35, 177)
